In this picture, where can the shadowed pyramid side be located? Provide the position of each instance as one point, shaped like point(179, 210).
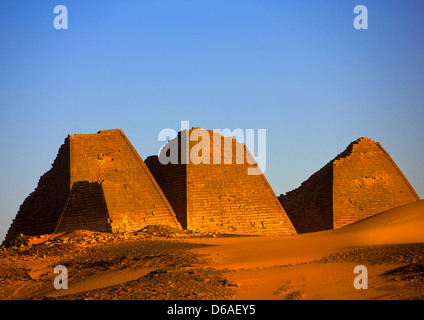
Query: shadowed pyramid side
point(85, 209)
point(40, 211)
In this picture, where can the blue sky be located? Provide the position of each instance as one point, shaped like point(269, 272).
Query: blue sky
point(298, 69)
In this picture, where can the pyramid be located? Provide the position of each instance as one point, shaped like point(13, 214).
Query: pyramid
point(216, 192)
point(97, 182)
point(361, 181)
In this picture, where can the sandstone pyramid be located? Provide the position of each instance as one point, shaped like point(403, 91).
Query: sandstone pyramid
point(218, 194)
point(358, 183)
point(97, 182)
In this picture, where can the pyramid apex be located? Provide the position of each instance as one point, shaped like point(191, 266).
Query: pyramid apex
point(110, 130)
point(107, 131)
point(363, 139)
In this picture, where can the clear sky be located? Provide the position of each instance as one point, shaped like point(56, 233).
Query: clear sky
point(298, 69)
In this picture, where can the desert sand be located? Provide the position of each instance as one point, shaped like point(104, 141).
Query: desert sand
point(162, 266)
point(295, 266)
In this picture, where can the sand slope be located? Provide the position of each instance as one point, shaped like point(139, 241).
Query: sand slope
point(283, 267)
point(400, 225)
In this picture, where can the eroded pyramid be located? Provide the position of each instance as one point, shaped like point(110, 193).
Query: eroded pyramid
point(215, 192)
point(97, 182)
point(361, 181)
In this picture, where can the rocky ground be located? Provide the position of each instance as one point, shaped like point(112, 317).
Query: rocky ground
point(406, 274)
point(160, 263)
point(156, 263)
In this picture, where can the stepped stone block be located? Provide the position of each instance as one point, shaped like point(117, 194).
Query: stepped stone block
point(213, 191)
point(99, 180)
point(361, 181)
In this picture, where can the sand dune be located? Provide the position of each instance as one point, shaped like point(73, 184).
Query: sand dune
point(399, 225)
point(284, 267)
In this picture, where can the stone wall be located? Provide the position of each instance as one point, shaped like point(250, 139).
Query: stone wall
point(310, 206)
point(221, 197)
point(172, 180)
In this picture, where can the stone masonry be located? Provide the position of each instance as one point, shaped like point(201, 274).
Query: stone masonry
point(360, 182)
point(98, 182)
point(210, 196)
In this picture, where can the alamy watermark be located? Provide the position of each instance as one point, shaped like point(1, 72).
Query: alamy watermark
point(361, 20)
point(361, 281)
point(61, 20)
point(213, 149)
point(61, 281)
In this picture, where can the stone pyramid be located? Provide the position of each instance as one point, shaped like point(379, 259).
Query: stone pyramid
point(215, 192)
point(97, 182)
point(360, 182)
